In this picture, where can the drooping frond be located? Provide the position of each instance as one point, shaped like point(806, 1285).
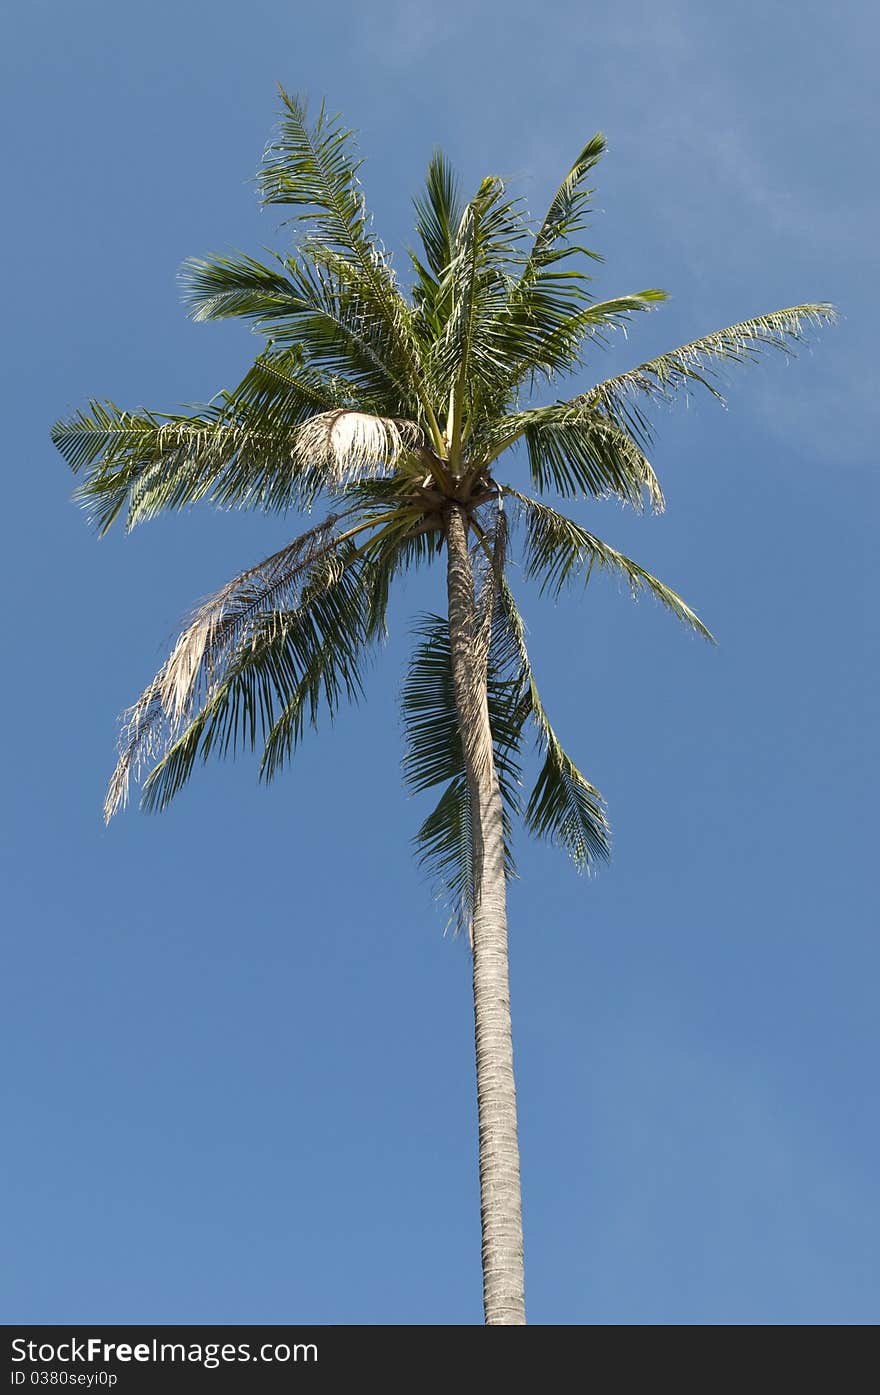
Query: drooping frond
point(559, 551)
point(217, 625)
point(590, 456)
point(404, 538)
point(434, 756)
point(292, 664)
point(564, 807)
point(343, 623)
point(567, 810)
point(434, 752)
point(287, 629)
point(445, 848)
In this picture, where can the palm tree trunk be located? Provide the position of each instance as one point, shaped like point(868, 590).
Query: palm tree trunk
point(500, 1198)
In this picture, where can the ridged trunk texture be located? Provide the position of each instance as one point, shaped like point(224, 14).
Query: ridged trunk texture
point(500, 1196)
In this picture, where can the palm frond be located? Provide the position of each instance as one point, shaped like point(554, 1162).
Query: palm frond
point(218, 288)
point(313, 167)
point(445, 848)
point(564, 807)
point(324, 309)
point(438, 216)
point(139, 464)
point(433, 740)
point(285, 388)
point(551, 332)
point(387, 311)
point(544, 298)
point(547, 313)
point(275, 640)
point(594, 444)
point(560, 551)
point(331, 642)
point(567, 212)
point(396, 408)
point(322, 306)
point(469, 354)
point(567, 810)
point(434, 756)
point(578, 451)
point(703, 361)
point(406, 541)
point(217, 625)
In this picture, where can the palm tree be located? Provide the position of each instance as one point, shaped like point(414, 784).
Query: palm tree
point(397, 409)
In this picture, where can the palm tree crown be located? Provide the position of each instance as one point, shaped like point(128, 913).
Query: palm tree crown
point(396, 409)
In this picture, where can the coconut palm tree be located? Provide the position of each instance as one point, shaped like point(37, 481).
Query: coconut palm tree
point(396, 409)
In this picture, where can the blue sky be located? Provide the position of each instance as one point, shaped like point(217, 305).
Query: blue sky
point(238, 1058)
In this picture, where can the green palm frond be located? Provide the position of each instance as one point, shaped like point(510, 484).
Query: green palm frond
point(548, 311)
point(332, 643)
point(339, 298)
point(239, 286)
point(469, 354)
point(438, 216)
point(577, 451)
point(567, 810)
point(590, 457)
point(137, 464)
point(259, 656)
point(559, 551)
point(284, 386)
point(564, 807)
point(434, 756)
point(225, 637)
point(593, 444)
point(567, 213)
point(331, 319)
point(703, 362)
point(275, 442)
point(313, 167)
point(433, 741)
point(547, 297)
point(444, 847)
point(551, 333)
